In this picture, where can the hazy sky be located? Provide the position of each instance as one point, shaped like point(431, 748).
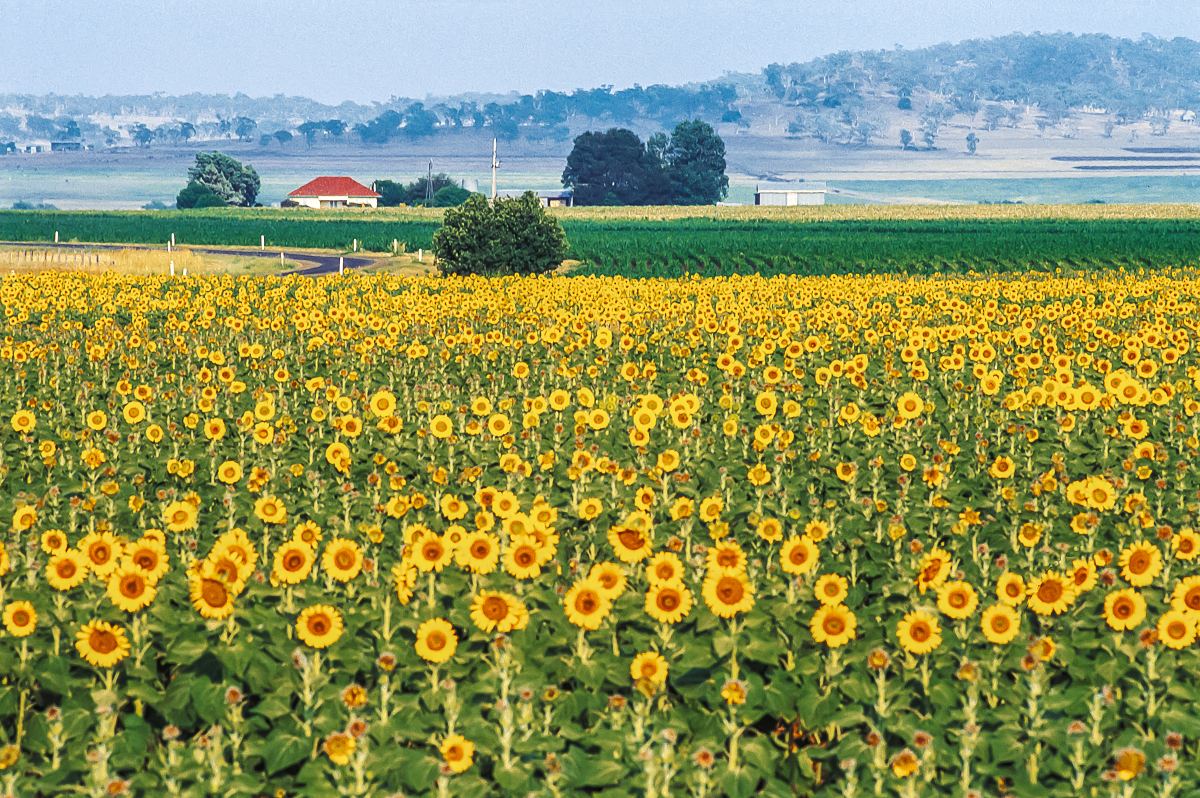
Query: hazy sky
point(373, 49)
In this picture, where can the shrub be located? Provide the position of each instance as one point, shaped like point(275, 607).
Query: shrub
point(508, 236)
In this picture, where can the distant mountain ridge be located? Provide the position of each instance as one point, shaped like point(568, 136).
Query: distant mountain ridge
point(848, 98)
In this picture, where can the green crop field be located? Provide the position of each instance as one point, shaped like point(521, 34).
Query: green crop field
point(666, 242)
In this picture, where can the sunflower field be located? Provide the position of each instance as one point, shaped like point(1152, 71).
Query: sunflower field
point(735, 536)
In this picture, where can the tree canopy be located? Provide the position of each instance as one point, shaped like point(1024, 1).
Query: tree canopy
point(507, 236)
point(225, 177)
point(197, 195)
point(615, 168)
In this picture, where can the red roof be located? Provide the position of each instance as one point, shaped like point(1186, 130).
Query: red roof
point(333, 187)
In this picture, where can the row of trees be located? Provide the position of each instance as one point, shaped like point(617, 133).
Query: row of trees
point(615, 167)
point(440, 191)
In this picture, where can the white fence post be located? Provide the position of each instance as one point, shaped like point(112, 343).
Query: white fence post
point(172, 268)
point(262, 242)
point(341, 265)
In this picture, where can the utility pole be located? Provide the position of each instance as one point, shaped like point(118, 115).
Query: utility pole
point(495, 166)
point(429, 186)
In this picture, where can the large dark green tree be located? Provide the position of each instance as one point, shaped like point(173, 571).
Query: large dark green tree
point(197, 195)
point(609, 168)
point(696, 164)
point(226, 177)
point(508, 236)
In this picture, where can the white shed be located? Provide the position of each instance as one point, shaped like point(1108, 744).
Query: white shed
point(802, 193)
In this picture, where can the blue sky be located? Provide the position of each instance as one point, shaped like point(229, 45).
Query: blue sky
point(373, 49)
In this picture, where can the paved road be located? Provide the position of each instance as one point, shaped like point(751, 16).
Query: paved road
point(321, 264)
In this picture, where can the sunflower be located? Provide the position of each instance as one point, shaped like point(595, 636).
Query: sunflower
point(382, 403)
point(229, 472)
point(668, 602)
point(957, 600)
point(649, 672)
point(66, 570)
point(522, 559)
point(493, 611)
point(342, 559)
point(631, 545)
point(1186, 544)
point(339, 747)
point(726, 556)
point(457, 752)
point(1124, 609)
point(148, 556)
point(180, 516)
point(1050, 594)
point(933, 570)
point(727, 594)
point(1186, 595)
point(831, 589)
point(20, 618)
point(1002, 468)
point(211, 597)
point(54, 541)
point(404, 580)
point(270, 510)
point(919, 632)
point(610, 577)
point(479, 553)
point(1177, 629)
point(319, 626)
point(436, 640)
point(431, 552)
point(129, 589)
point(664, 567)
point(833, 624)
point(1010, 589)
point(103, 552)
point(1082, 575)
point(909, 406)
point(24, 517)
point(101, 643)
point(1140, 563)
point(1000, 624)
point(293, 563)
point(798, 555)
point(587, 604)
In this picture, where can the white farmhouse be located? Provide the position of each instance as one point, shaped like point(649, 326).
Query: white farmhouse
point(333, 192)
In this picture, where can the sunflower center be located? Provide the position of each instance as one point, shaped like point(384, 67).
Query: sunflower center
point(668, 600)
point(1000, 624)
point(730, 590)
point(587, 602)
point(132, 586)
point(1050, 591)
point(436, 641)
point(318, 624)
point(495, 607)
point(293, 561)
point(102, 641)
point(214, 593)
point(525, 557)
point(919, 631)
point(833, 625)
point(344, 559)
point(1139, 562)
point(631, 539)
